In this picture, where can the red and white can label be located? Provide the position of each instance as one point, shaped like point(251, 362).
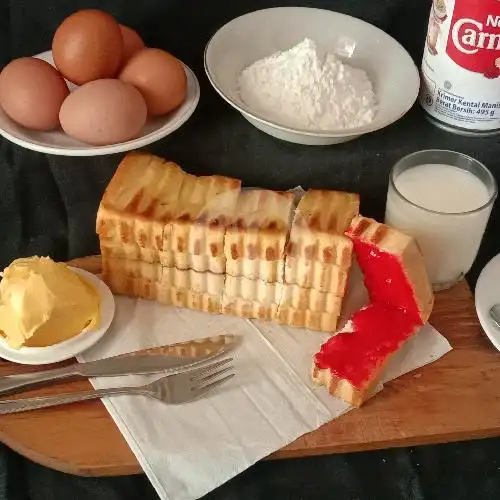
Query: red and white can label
point(461, 64)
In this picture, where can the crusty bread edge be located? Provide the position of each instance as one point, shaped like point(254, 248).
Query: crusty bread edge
point(337, 387)
point(406, 249)
point(342, 388)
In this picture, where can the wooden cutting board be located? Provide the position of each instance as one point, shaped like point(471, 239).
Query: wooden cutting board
point(453, 399)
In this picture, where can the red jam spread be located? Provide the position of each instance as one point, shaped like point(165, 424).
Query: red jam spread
point(380, 328)
point(384, 277)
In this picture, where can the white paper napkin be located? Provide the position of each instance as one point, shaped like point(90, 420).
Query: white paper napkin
point(188, 450)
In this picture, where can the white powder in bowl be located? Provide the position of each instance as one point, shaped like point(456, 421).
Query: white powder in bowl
point(297, 89)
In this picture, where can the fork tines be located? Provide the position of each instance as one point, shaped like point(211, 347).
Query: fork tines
point(208, 377)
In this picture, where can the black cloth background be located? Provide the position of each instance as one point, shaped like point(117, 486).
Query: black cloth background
point(48, 206)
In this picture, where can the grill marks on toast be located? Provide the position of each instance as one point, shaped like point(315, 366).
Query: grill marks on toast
point(166, 276)
point(205, 205)
point(326, 211)
point(317, 275)
point(254, 247)
point(364, 228)
point(318, 258)
point(318, 252)
point(254, 244)
point(164, 295)
point(337, 252)
point(250, 298)
point(168, 285)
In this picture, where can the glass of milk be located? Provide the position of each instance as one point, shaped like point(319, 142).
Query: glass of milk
point(443, 199)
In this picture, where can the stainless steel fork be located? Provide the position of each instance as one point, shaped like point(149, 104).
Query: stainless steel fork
point(172, 389)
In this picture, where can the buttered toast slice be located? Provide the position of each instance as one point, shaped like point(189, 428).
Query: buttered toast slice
point(254, 244)
point(401, 300)
point(318, 254)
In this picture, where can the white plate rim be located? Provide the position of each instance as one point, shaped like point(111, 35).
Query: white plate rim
point(485, 298)
point(245, 110)
point(186, 109)
point(73, 346)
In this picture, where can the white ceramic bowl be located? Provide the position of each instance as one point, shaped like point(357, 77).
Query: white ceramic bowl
point(56, 142)
point(73, 346)
point(261, 33)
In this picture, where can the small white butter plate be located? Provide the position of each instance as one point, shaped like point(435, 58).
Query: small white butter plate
point(73, 346)
point(487, 295)
point(57, 142)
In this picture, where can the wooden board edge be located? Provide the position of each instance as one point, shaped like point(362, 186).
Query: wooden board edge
point(82, 470)
point(386, 445)
point(133, 468)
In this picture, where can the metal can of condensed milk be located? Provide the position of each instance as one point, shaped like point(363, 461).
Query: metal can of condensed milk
point(460, 88)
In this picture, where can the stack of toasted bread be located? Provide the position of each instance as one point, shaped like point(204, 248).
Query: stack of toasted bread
point(205, 243)
point(162, 230)
point(255, 251)
point(318, 259)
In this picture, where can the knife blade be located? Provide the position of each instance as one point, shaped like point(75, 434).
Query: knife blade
point(170, 359)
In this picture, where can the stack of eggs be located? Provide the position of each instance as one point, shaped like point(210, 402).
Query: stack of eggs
point(119, 82)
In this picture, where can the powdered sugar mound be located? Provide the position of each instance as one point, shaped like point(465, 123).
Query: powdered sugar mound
point(296, 88)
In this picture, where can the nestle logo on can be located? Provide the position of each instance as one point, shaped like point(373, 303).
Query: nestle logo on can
point(474, 37)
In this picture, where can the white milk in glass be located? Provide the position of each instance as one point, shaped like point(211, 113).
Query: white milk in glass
point(448, 236)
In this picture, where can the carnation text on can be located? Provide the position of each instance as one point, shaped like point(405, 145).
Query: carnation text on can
point(460, 88)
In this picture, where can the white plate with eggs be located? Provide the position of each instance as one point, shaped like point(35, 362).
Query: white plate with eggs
point(73, 346)
point(59, 143)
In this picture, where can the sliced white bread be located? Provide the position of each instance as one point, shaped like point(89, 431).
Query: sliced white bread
point(318, 254)
point(157, 212)
point(254, 244)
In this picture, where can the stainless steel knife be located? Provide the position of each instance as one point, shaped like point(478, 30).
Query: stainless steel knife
point(167, 359)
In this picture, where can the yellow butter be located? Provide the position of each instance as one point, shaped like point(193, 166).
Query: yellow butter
point(43, 302)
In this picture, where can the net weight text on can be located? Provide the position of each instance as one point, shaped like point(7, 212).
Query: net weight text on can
point(461, 66)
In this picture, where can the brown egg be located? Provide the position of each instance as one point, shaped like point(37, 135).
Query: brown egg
point(132, 42)
point(32, 92)
point(160, 78)
point(103, 112)
point(87, 46)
